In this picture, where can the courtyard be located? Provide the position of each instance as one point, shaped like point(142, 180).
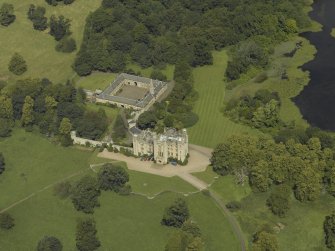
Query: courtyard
point(132, 92)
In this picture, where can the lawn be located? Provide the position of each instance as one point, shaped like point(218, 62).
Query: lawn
point(33, 163)
point(38, 48)
point(213, 127)
point(302, 227)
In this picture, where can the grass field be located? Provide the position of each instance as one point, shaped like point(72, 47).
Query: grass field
point(213, 127)
point(38, 48)
point(303, 226)
point(33, 163)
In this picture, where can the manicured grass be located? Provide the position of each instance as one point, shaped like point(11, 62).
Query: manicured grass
point(119, 218)
point(38, 48)
point(97, 80)
point(213, 127)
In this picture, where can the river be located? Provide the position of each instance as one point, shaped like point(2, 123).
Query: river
point(317, 101)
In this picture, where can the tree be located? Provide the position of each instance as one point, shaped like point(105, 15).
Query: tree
point(64, 131)
point(27, 117)
point(176, 214)
point(59, 27)
point(6, 126)
point(36, 15)
point(7, 14)
point(86, 239)
point(264, 241)
point(279, 200)
point(119, 129)
point(6, 108)
point(93, 124)
point(6, 221)
point(157, 74)
point(49, 243)
point(329, 230)
point(17, 64)
point(85, 194)
point(259, 176)
point(112, 177)
point(65, 127)
point(2, 163)
point(66, 45)
point(147, 120)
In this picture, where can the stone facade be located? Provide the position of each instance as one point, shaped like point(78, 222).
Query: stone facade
point(171, 144)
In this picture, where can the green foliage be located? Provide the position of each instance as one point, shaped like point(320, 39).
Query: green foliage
point(17, 64)
point(85, 194)
point(86, 239)
point(176, 214)
point(147, 120)
point(265, 241)
point(56, 2)
point(233, 206)
point(112, 177)
point(36, 15)
point(66, 45)
point(27, 117)
point(248, 54)
point(279, 200)
point(119, 129)
point(49, 243)
point(7, 14)
point(260, 111)
point(92, 125)
point(186, 239)
point(59, 27)
point(6, 126)
point(2, 163)
point(6, 221)
point(157, 74)
point(265, 163)
point(329, 230)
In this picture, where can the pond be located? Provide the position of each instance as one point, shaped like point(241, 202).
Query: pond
point(317, 101)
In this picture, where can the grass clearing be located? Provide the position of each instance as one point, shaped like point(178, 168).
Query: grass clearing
point(213, 127)
point(34, 163)
point(303, 226)
point(38, 48)
point(289, 88)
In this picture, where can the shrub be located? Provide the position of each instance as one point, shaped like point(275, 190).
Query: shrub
point(49, 243)
point(6, 221)
point(233, 206)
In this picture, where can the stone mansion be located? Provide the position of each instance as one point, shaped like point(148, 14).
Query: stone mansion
point(171, 144)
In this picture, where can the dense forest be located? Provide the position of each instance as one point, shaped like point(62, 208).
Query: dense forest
point(161, 32)
point(54, 109)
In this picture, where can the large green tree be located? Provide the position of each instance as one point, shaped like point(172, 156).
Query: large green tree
point(49, 243)
point(279, 200)
point(112, 177)
point(17, 64)
point(85, 194)
point(176, 214)
point(7, 14)
point(86, 235)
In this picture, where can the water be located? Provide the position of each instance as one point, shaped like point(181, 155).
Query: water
point(317, 101)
